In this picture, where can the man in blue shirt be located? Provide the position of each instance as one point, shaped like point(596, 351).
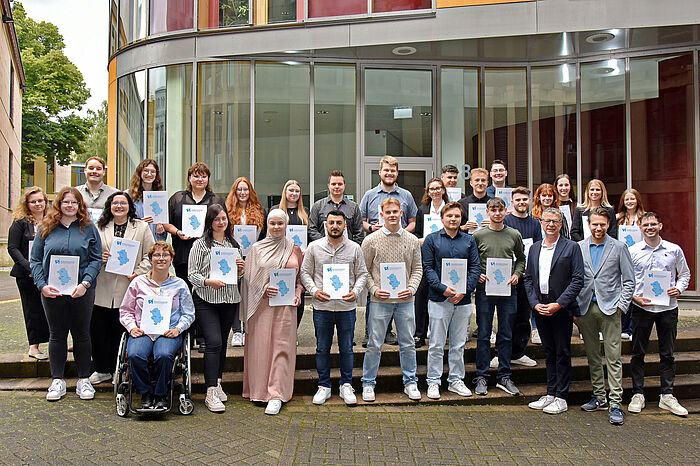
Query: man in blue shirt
point(498, 173)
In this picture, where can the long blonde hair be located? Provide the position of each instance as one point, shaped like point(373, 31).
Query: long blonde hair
point(603, 198)
point(22, 210)
point(303, 216)
point(622, 208)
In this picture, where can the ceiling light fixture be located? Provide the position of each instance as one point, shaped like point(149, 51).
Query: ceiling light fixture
point(403, 50)
point(600, 37)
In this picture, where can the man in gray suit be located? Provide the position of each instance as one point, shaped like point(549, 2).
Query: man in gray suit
point(608, 287)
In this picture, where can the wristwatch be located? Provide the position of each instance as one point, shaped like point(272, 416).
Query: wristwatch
point(86, 284)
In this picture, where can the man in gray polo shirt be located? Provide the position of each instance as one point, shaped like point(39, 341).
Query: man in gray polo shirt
point(94, 191)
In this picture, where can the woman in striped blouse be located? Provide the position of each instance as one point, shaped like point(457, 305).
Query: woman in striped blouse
point(215, 302)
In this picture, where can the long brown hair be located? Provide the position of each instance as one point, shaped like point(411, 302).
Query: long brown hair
point(22, 210)
point(426, 197)
point(622, 209)
point(537, 207)
point(254, 214)
point(301, 212)
point(54, 214)
point(136, 183)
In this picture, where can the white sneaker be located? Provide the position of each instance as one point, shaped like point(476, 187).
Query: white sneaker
point(600, 336)
point(524, 360)
point(434, 391)
point(459, 388)
point(494, 363)
point(273, 407)
point(557, 406)
point(221, 394)
point(542, 403)
point(99, 377)
point(625, 336)
point(493, 338)
point(535, 337)
point(412, 391)
point(322, 394)
point(347, 393)
point(84, 389)
point(367, 393)
point(213, 402)
point(670, 403)
point(57, 390)
point(237, 339)
point(637, 404)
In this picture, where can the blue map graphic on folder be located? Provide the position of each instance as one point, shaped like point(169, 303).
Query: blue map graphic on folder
point(454, 277)
point(282, 286)
point(156, 208)
point(656, 288)
point(63, 276)
point(335, 281)
point(433, 227)
point(629, 240)
point(156, 317)
point(393, 281)
point(194, 222)
point(224, 267)
point(479, 218)
point(245, 242)
point(498, 275)
point(296, 240)
point(122, 257)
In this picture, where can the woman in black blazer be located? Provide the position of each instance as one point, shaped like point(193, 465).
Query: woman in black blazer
point(28, 214)
point(594, 196)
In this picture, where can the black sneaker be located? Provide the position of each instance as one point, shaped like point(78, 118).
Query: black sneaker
point(595, 405)
point(508, 386)
point(420, 342)
point(481, 386)
point(147, 401)
point(365, 340)
point(161, 403)
point(391, 339)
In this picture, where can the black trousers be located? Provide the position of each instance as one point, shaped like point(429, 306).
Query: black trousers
point(65, 314)
point(421, 309)
point(521, 327)
point(105, 333)
point(300, 311)
point(34, 315)
point(555, 332)
point(215, 323)
point(666, 329)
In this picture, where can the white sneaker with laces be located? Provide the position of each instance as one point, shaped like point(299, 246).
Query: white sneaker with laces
point(459, 388)
point(434, 391)
point(347, 393)
point(535, 337)
point(494, 363)
point(322, 394)
point(212, 401)
point(412, 391)
point(557, 406)
point(493, 338)
point(57, 390)
point(237, 339)
point(84, 389)
point(542, 403)
point(626, 336)
point(524, 360)
point(670, 403)
point(637, 403)
point(220, 393)
point(99, 377)
point(368, 393)
point(273, 407)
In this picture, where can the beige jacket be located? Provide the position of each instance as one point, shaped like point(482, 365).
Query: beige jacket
point(111, 287)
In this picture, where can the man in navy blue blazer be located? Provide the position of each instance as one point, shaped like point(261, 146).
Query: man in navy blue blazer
point(553, 278)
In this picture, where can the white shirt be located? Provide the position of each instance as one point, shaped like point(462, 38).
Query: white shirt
point(439, 209)
point(387, 232)
point(546, 256)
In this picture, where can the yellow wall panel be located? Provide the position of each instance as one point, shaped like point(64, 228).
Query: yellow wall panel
point(112, 124)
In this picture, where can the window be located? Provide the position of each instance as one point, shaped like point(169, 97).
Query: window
point(329, 8)
point(9, 183)
point(132, 21)
point(171, 15)
point(131, 95)
point(381, 6)
point(12, 90)
point(215, 14)
point(279, 11)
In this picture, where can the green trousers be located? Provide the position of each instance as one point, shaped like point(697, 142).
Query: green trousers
point(610, 325)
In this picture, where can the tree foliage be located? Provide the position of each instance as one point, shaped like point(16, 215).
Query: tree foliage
point(55, 91)
point(96, 142)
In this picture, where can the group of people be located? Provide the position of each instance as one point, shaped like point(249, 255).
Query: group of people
point(544, 260)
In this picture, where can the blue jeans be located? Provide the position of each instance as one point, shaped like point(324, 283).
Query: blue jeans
point(379, 319)
point(447, 320)
point(324, 324)
point(163, 350)
point(506, 306)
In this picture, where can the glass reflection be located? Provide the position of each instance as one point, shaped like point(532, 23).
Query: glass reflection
point(130, 119)
point(381, 6)
point(171, 15)
point(132, 21)
point(326, 8)
point(279, 11)
point(215, 14)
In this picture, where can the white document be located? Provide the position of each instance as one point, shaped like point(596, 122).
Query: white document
point(155, 314)
point(454, 274)
point(499, 272)
point(94, 214)
point(528, 242)
point(656, 283)
point(380, 219)
point(193, 220)
point(123, 256)
point(454, 194)
point(31, 245)
point(222, 265)
point(567, 213)
point(477, 213)
point(629, 234)
point(392, 277)
point(285, 281)
point(507, 195)
point(298, 235)
point(63, 273)
point(586, 227)
point(245, 235)
point(336, 280)
point(155, 204)
point(431, 224)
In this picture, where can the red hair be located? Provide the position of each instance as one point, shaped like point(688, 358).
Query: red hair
point(254, 214)
point(537, 207)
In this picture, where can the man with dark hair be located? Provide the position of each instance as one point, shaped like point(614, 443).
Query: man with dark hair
point(94, 191)
point(498, 173)
point(336, 200)
point(449, 177)
point(649, 255)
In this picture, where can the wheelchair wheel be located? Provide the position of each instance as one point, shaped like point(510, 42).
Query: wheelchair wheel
point(121, 365)
point(185, 406)
point(122, 406)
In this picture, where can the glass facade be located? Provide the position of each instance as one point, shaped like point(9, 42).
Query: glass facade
point(383, 6)
point(132, 21)
point(279, 11)
point(215, 14)
point(171, 15)
point(324, 8)
point(131, 94)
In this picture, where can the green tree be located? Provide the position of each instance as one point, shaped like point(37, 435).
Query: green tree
point(55, 91)
point(96, 142)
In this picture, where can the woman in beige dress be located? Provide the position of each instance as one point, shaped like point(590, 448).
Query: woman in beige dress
point(269, 357)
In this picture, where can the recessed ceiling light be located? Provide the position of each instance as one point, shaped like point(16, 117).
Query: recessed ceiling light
point(403, 50)
point(600, 37)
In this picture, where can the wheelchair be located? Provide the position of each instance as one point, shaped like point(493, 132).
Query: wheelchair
point(179, 386)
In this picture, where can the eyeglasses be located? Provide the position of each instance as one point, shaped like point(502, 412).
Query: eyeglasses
point(164, 255)
point(435, 189)
point(498, 170)
point(550, 221)
point(199, 177)
point(242, 190)
point(70, 203)
point(118, 203)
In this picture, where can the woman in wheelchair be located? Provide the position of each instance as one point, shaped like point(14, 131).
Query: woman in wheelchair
point(140, 346)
